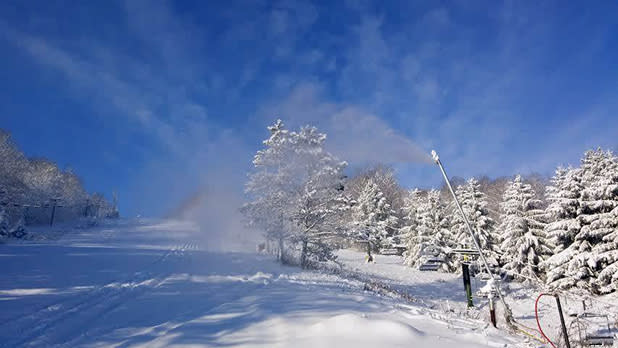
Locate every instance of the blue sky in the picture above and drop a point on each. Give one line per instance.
(158, 99)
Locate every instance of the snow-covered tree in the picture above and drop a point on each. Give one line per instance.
(584, 224)
(410, 223)
(394, 195)
(35, 183)
(562, 196)
(270, 187)
(605, 254)
(318, 202)
(474, 204)
(432, 237)
(599, 206)
(523, 239)
(373, 218)
(563, 210)
(4, 223)
(296, 190)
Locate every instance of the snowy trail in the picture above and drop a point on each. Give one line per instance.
(86, 308)
(149, 284)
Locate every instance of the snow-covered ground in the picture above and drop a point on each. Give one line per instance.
(149, 283)
(444, 292)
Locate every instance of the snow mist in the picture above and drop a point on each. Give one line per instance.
(361, 138)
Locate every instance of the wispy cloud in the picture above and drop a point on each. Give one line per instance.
(155, 105)
(489, 85)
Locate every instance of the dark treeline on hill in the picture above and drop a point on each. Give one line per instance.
(560, 231)
(31, 187)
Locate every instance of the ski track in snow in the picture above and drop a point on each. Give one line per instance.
(35, 327)
(150, 284)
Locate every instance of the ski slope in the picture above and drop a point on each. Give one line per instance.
(153, 284)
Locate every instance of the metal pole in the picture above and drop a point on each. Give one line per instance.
(492, 311)
(564, 329)
(51, 221)
(466, 279)
(507, 311)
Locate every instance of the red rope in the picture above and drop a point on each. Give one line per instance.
(538, 323)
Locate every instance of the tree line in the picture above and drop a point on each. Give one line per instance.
(31, 187)
(562, 232)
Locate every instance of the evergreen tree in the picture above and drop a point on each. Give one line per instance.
(523, 239)
(373, 217)
(474, 204)
(585, 245)
(563, 198)
(599, 204)
(432, 235)
(563, 210)
(410, 222)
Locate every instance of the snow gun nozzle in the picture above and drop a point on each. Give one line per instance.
(435, 156)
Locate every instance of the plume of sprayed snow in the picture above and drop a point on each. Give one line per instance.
(204, 181)
(359, 137)
(216, 212)
(203, 184)
(354, 135)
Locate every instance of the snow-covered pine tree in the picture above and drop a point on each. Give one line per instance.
(393, 194)
(410, 223)
(599, 203)
(474, 204)
(372, 217)
(523, 239)
(585, 242)
(432, 236)
(562, 196)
